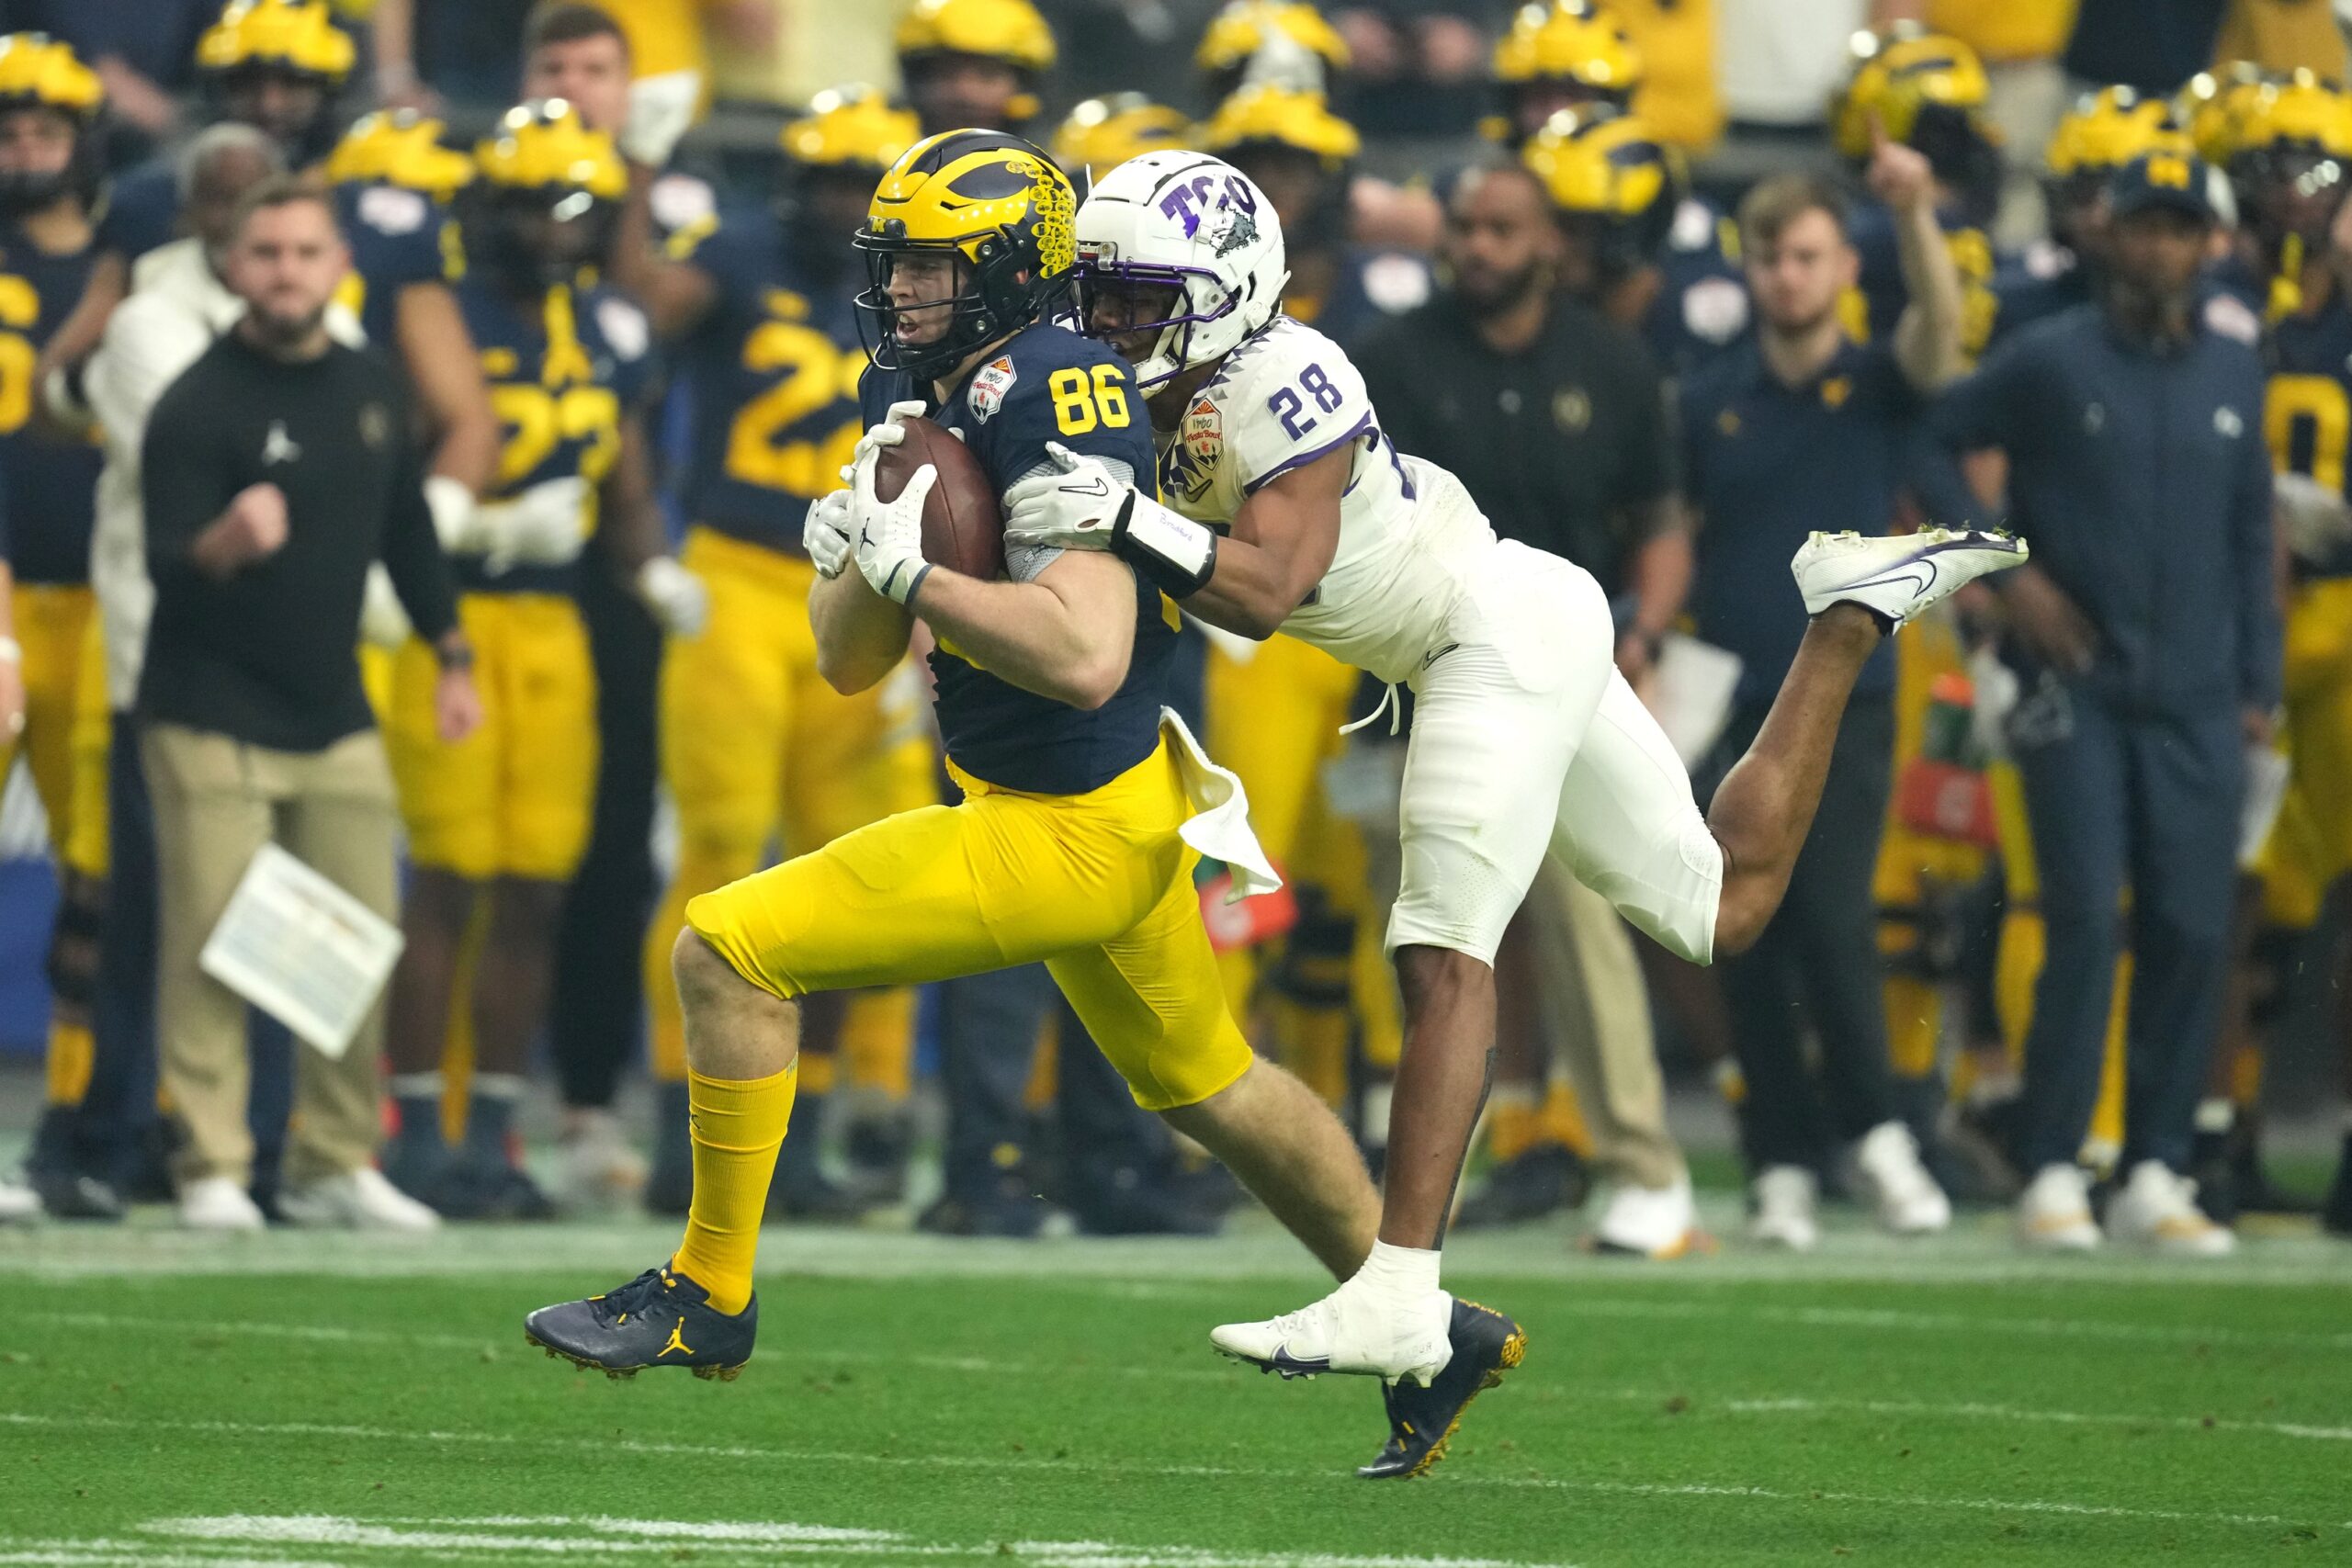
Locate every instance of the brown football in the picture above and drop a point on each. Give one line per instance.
(962, 527)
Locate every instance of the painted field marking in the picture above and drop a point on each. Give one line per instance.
(986, 1462)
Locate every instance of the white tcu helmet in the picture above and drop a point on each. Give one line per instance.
(1191, 223)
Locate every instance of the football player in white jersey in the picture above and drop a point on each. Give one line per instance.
(1291, 510)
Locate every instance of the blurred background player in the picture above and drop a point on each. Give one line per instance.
(501, 818)
(1638, 246)
(1253, 43)
(1100, 134)
(973, 64)
(757, 751)
(50, 169)
(1570, 54)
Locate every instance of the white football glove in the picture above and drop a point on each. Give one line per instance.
(660, 110)
(825, 535)
(678, 598)
(383, 619)
(890, 533)
(455, 522)
(545, 525)
(2315, 521)
(890, 432)
(1085, 506)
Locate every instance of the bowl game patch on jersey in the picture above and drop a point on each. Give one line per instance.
(991, 382)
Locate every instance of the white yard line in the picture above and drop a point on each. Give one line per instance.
(1843, 1319)
(1454, 1476)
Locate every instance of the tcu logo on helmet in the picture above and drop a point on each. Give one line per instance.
(1189, 205)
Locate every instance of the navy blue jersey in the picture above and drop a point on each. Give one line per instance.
(395, 236)
(1046, 384)
(2307, 408)
(48, 479)
(141, 211)
(2042, 282)
(1702, 307)
(1883, 296)
(773, 373)
(1767, 464)
(564, 370)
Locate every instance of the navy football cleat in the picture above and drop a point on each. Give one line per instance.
(1421, 1420)
(658, 1319)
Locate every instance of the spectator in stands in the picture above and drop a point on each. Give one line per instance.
(1802, 430)
(2146, 632)
(274, 473)
(1555, 420)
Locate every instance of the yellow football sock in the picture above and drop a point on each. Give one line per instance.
(818, 1071)
(1514, 1122)
(1312, 1043)
(738, 1126)
(1564, 1120)
(877, 1046)
(70, 1057)
(2245, 1073)
(1914, 1024)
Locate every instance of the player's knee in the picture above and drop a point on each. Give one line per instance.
(706, 980)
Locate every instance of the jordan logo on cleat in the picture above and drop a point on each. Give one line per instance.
(677, 1341)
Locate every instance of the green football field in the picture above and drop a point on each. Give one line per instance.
(167, 1400)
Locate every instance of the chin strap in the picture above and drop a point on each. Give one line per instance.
(1178, 554)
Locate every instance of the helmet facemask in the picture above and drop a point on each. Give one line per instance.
(1119, 302)
(993, 297)
(31, 190)
(535, 238)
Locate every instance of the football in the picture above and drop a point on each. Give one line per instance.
(962, 527)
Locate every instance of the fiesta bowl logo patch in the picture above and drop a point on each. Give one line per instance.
(990, 386)
(1203, 430)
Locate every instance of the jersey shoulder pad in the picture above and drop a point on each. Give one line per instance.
(621, 323)
(392, 211)
(1288, 395)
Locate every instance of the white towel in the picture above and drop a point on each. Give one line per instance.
(1219, 826)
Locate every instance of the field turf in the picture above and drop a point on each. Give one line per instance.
(169, 1401)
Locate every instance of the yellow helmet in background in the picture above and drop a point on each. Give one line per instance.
(1243, 40)
(1900, 76)
(851, 127)
(543, 145)
(400, 147)
(1569, 40)
(2107, 128)
(1102, 133)
(1279, 117)
(1012, 32)
(38, 70)
(2213, 105)
(1608, 174)
(2302, 113)
(296, 37)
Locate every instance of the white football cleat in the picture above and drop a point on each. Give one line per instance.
(19, 1202)
(217, 1203)
(356, 1200)
(1898, 575)
(1658, 1222)
(1353, 1329)
(2054, 1213)
(1905, 1197)
(1785, 1197)
(2157, 1208)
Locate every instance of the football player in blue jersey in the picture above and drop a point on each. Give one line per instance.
(1641, 248)
(1568, 54)
(1075, 842)
(755, 747)
(50, 103)
(501, 818)
(974, 63)
(273, 65)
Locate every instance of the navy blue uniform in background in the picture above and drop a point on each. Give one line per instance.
(2141, 479)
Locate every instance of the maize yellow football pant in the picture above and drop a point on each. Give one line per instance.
(1098, 886)
(515, 797)
(756, 748)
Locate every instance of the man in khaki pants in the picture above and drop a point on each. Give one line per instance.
(274, 472)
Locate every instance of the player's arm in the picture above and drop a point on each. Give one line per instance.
(674, 294)
(630, 532)
(1928, 337)
(861, 636)
(1068, 633)
(77, 337)
(1248, 583)
(439, 355)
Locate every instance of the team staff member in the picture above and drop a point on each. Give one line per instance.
(1556, 422)
(1800, 428)
(274, 473)
(503, 818)
(755, 747)
(2147, 635)
(49, 172)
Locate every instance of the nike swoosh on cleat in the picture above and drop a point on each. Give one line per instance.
(1921, 572)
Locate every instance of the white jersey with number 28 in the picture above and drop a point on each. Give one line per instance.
(1410, 535)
